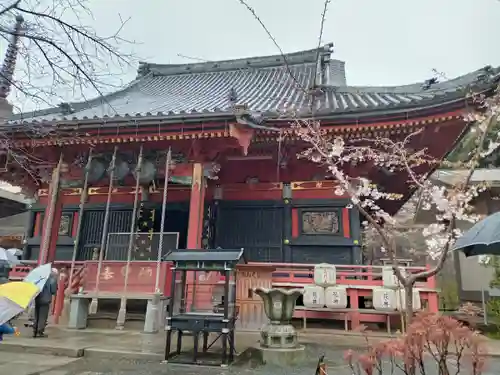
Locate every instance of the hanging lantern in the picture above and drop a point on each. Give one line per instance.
(97, 170)
(122, 168)
(147, 173)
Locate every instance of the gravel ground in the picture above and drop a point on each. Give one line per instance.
(333, 357)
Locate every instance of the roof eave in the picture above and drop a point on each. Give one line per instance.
(420, 108)
(189, 118)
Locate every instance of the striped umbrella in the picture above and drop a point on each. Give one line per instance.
(15, 297)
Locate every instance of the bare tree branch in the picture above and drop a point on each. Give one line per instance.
(57, 57)
(273, 39)
(8, 8)
(320, 37)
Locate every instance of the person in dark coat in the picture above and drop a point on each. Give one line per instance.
(42, 304)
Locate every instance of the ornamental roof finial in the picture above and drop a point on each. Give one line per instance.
(9, 62)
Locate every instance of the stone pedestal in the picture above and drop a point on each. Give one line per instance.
(78, 313)
(155, 314)
(278, 336)
(282, 357)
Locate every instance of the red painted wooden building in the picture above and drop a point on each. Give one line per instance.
(234, 179)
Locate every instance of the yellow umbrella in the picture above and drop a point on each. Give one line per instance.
(15, 297)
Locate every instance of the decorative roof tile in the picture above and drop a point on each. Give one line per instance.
(263, 84)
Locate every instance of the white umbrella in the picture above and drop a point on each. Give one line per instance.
(15, 252)
(8, 257)
(39, 275)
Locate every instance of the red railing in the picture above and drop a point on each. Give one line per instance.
(360, 280)
(297, 274)
(19, 272)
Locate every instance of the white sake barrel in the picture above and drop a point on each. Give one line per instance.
(389, 278)
(384, 299)
(314, 296)
(325, 275)
(401, 300)
(336, 297)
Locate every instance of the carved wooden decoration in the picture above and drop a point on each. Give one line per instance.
(65, 225)
(320, 222)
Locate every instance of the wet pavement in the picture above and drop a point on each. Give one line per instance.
(64, 341)
(26, 364)
(111, 352)
(333, 358)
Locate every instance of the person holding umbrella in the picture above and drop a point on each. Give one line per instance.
(42, 304)
(44, 278)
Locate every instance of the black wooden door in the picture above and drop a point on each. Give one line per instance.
(257, 229)
(176, 220)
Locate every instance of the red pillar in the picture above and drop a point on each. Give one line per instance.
(196, 208)
(195, 228)
(51, 218)
(51, 253)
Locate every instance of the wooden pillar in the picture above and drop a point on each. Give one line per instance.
(195, 229)
(51, 253)
(196, 208)
(52, 214)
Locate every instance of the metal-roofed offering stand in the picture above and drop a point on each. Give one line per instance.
(203, 303)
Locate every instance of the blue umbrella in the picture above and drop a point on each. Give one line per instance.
(483, 238)
(39, 275)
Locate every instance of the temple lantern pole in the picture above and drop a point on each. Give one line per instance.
(111, 169)
(163, 212)
(83, 199)
(120, 321)
(49, 219)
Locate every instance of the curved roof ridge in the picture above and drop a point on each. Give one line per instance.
(293, 58)
(454, 84)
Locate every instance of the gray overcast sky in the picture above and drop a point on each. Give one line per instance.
(383, 42)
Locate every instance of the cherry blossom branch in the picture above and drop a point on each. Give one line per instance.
(345, 183)
(452, 204)
(452, 224)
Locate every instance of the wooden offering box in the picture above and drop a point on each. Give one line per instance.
(251, 307)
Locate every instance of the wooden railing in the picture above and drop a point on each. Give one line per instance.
(359, 279)
(19, 272)
(297, 274)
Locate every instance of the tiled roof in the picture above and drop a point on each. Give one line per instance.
(12, 193)
(14, 224)
(450, 177)
(263, 83)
